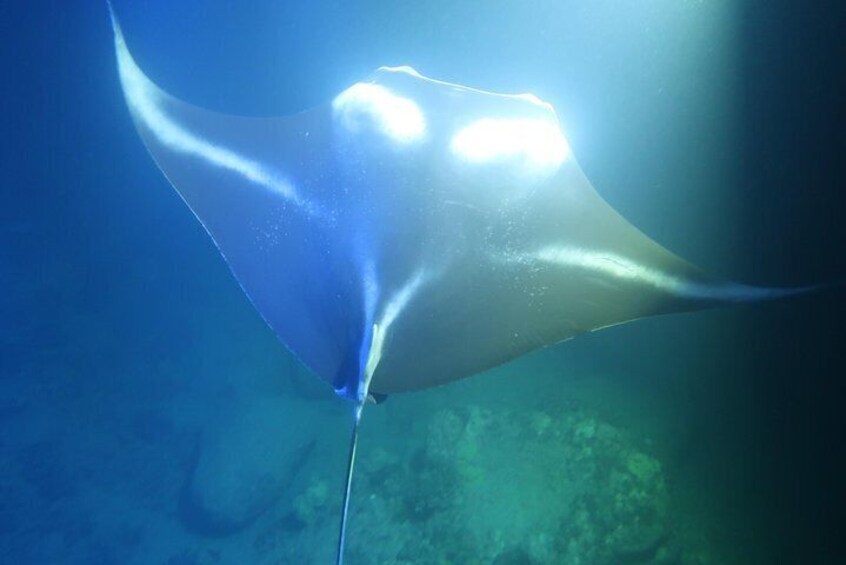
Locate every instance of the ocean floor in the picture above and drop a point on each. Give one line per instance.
(225, 451)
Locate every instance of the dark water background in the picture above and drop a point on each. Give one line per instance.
(718, 130)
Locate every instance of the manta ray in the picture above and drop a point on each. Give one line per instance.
(412, 232)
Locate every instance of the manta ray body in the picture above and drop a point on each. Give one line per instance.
(412, 232)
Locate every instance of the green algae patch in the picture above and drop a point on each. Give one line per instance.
(545, 488)
(643, 467)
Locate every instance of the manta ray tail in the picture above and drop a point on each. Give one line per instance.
(350, 466)
(369, 356)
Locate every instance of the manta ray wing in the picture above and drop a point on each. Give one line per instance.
(243, 178)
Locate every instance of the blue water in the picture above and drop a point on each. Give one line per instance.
(148, 415)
